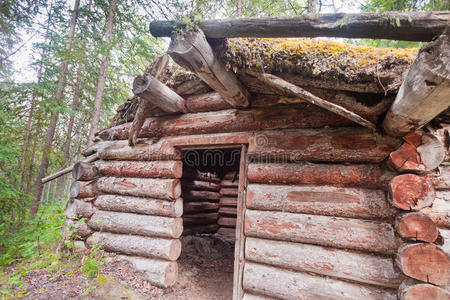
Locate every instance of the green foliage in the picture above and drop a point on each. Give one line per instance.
(93, 262)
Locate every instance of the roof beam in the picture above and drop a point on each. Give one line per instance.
(407, 26)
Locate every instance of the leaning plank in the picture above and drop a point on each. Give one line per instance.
(407, 26)
(425, 92)
(167, 249)
(161, 273)
(126, 223)
(84, 171)
(364, 175)
(143, 169)
(146, 206)
(416, 226)
(188, 230)
(193, 52)
(424, 262)
(83, 189)
(322, 230)
(439, 212)
(200, 218)
(320, 200)
(167, 189)
(281, 283)
(201, 196)
(197, 207)
(411, 289)
(411, 192)
(360, 267)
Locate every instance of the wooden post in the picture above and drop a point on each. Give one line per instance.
(193, 52)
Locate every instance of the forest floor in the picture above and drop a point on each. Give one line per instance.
(205, 270)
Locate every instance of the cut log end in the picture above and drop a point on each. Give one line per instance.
(410, 291)
(416, 226)
(411, 192)
(140, 84)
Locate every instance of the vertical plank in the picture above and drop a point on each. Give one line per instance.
(239, 250)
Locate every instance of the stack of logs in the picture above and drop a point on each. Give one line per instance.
(200, 192)
(228, 206)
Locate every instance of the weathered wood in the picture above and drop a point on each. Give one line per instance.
(197, 207)
(424, 262)
(189, 230)
(199, 185)
(439, 212)
(363, 175)
(193, 52)
(421, 153)
(143, 150)
(146, 206)
(229, 183)
(227, 222)
(84, 171)
(167, 189)
(83, 189)
(197, 175)
(143, 169)
(76, 229)
(229, 234)
(226, 201)
(167, 249)
(142, 112)
(126, 223)
(68, 169)
(408, 26)
(445, 235)
(321, 200)
(411, 192)
(425, 92)
(200, 196)
(355, 266)
(411, 289)
(158, 272)
(206, 102)
(441, 179)
(200, 218)
(229, 192)
(233, 175)
(417, 227)
(79, 209)
(293, 90)
(281, 283)
(322, 230)
(248, 296)
(228, 211)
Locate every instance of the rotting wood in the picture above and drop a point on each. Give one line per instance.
(425, 92)
(416, 226)
(321, 200)
(407, 26)
(411, 192)
(420, 153)
(336, 232)
(200, 218)
(227, 222)
(424, 262)
(79, 209)
(344, 264)
(281, 283)
(193, 52)
(83, 189)
(84, 171)
(166, 189)
(227, 201)
(167, 249)
(200, 196)
(146, 206)
(411, 289)
(189, 230)
(229, 192)
(439, 212)
(127, 223)
(142, 169)
(199, 185)
(193, 207)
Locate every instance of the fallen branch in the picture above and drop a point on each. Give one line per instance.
(67, 170)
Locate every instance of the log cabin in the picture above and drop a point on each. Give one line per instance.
(325, 163)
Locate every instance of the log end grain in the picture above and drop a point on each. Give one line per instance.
(411, 192)
(413, 290)
(416, 226)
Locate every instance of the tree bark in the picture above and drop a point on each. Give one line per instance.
(411, 192)
(141, 169)
(417, 227)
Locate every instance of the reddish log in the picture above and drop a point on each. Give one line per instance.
(322, 230)
(439, 212)
(321, 200)
(285, 284)
(143, 169)
(83, 189)
(206, 102)
(197, 207)
(189, 230)
(370, 176)
(146, 206)
(197, 175)
(424, 262)
(167, 189)
(225, 201)
(420, 153)
(230, 192)
(229, 234)
(84, 171)
(411, 289)
(227, 222)
(228, 211)
(200, 185)
(200, 196)
(143, 150)
(350, 265)
(417, 227)
(411, 192)
(200, 218)
(230, 183)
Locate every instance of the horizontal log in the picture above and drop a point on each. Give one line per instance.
(142, 169)
(79, 209)
(189, 230)
(227, 222)
(84, 171)
(167, 189)
(229, 234)
(197, 207)
(200, 218)
(126, 223)
(198, 185)
(197, 175)
(83, 189)
(439, 212)
(230, 183)
(417, 227)
(144, 150)
(363, 175)
(281, 283)
(200, 196)
(206, 102)
(355, 266)
(228, 211)
(146, 206)
(229, 192)
(322, 230)
(167, 249)
(441, 179)
(411, 192)
(424, 262)
(415, 290)
(227, 201)
(67, 170)
(320, 200)
(407, 26)
(158, 272)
